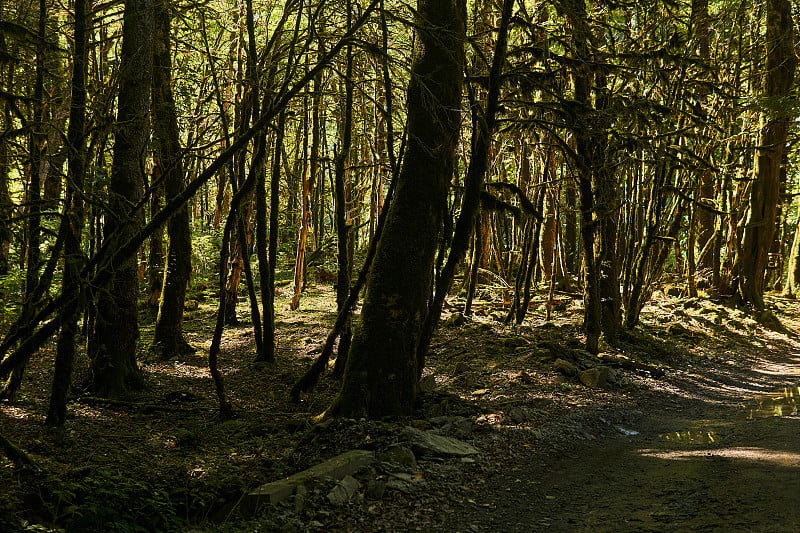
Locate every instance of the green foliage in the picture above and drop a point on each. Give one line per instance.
(205, 254)
(107, 502)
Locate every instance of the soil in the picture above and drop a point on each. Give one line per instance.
(685, 436)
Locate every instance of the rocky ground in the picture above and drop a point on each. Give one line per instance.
(518, 430)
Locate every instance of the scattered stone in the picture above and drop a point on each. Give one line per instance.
(343, 491)
(427, 443)
(300, 499)
(565, 367)
(462, 428)
(525, 378)
(517, 414)
(399, 485)
(335, 468)
(461, 367)
(427, 383)
(627, 432)
(455, 320)
(677, 330)
(375, 489)
(673, 291)
(594, 378)
(399, 455)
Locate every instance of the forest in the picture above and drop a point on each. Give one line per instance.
(241, 237)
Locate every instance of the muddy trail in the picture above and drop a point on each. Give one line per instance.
(706, 452)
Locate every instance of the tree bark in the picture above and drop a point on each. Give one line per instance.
(168, 337)
(114, 366)
(381, 373)
(764, 195)
(73, 257)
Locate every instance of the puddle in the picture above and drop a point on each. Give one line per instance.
(780, 403)
(691, 436)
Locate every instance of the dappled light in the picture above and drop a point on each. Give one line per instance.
(782, 458)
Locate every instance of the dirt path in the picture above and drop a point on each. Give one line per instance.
(698, 461)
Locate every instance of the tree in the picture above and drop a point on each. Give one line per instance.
(168, 338)
(114, 368)
(764, 196)
(381, 373)
(73, 254)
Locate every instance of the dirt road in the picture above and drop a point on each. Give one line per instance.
(704, 453)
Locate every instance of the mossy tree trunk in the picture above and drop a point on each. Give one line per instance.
(381, 373)
(168, 338)
(764, 196)
(114, 368)
(73, 257)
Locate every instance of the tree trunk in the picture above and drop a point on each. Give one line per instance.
(73, 258)
(168, 338)
(381, 374)
(764, 195)
(792, 289)
(114, 366)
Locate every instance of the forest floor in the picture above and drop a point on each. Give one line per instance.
(683, 436)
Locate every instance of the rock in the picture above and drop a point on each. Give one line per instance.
(300, 499)
(673, 291)
(455, 320)
(594, 378)
(461, 367)
(440, 420)
(517, 414)
(399, 485)
(190, 305)
(336, 468)
(375, 489)
(565, 367)
(462, 428)
(427, 383)
(677, 330)
(399, 455)
(343, 491)
(426, 443)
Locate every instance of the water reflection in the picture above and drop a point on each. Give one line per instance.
(691, 436)
(780, 403)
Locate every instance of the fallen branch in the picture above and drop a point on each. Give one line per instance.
(16, 455)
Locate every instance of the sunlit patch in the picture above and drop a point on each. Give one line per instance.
(15, 412)
(85, 411)
(180, 370)
(781, 403)
(695, 436)
(744, 453)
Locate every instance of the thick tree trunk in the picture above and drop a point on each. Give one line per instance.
(168, 338)
(381, 374)
(764, 195)
(114, 366)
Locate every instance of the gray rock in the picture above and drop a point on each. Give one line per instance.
(517, 414)
(455, 320)
(343, 491)
(565, 367)
(426, 443)
(427, 383)
(335, 468)
(399, 485)
(375, 489)
(594, 378)
(462, 428)
(399, 455)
